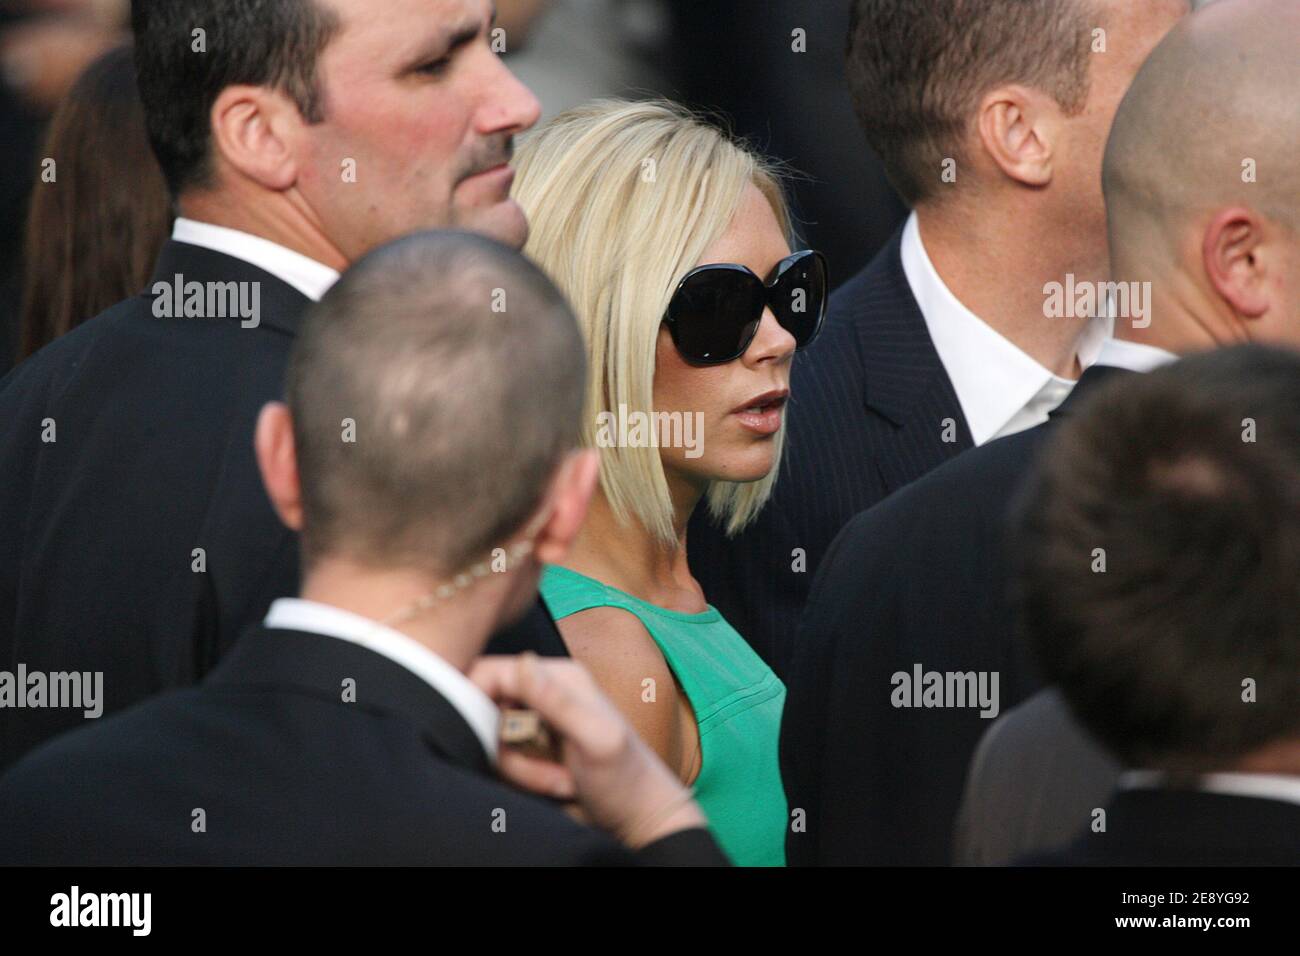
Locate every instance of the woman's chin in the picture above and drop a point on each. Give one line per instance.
(744, 468)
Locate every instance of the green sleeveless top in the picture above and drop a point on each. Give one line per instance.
(737, 702)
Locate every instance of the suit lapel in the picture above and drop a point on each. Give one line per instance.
(322, 666)
(904, 380)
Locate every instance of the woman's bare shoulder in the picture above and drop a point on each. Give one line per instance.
(613, 636)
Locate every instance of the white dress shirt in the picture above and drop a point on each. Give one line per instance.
(1133, 356)
(482, 715)
(1002, 390)
(1264, 786)
(308, 276)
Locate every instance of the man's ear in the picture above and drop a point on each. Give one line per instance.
(277, 459)
(1018, 129)
(570, 494)
(1236, 260)
(253, 131)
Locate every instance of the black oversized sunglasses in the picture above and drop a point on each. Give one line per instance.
(717, 308)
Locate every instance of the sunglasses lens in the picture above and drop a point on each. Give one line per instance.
(799, 297)
(715, 314)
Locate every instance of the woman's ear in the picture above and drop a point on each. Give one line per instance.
(277, 459)
(253, 131)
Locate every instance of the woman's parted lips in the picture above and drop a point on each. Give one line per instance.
(775, 398)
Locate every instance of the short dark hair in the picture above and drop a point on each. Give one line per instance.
(917, 69)
(272, 43)
(1199, 529)
(461, 371)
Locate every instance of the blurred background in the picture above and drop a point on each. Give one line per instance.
(770, 70)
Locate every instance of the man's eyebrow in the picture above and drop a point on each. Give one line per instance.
(445, 44)
(463, 35)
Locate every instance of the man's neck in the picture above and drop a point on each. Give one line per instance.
(997, 267)
(277, 217)
(1180, 317)
(456, 629)
(1280, 758)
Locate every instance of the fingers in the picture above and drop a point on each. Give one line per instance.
(555, 690)
(617, 778)
(561, 691)
(540, 776)
(513, 677)
(496, 676)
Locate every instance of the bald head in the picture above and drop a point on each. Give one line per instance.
(433, 390)
(1210, 122)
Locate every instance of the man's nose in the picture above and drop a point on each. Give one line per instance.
(508, 106)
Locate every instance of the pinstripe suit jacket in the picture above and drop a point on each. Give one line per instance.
(920, 580)
(871, 409)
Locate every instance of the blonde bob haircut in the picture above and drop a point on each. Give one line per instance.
(623, 198)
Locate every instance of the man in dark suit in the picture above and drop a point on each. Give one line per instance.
(915, 581)
(989, 117)
(135, 539)
(922, 579)
(344, 728)
(1182, 657)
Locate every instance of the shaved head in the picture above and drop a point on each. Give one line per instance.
(461, 370)
(1209, 123)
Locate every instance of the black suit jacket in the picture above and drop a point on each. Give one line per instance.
(153, 423)
(266, 763)
(870, 403)
(1165, 827)
(919, 579)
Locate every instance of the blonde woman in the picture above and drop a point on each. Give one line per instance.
(673, 244)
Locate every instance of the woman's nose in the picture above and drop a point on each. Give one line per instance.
(772, 342)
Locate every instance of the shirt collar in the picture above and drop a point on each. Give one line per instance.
(478, 710)
(994, 379)
(1133, 356)
(308, 276)
(1264, 786)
